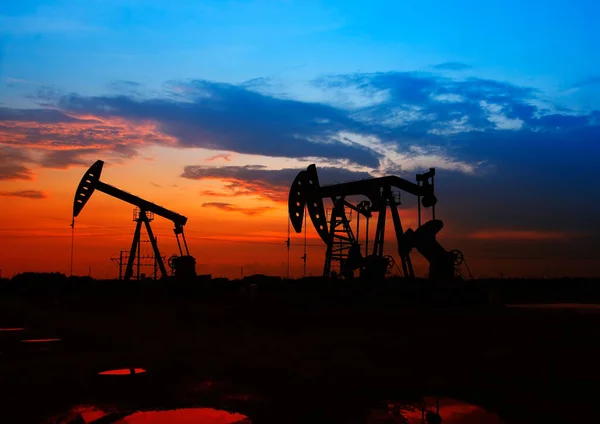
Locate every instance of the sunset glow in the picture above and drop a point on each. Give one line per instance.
(212, 112)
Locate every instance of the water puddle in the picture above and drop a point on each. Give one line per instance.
(12, 329)
(432, 410)
(41, 340)
(89, 414)
(123, 371)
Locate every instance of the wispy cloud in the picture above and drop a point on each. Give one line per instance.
(452, 66)
(233, 208)
(257, 180)
(225, 157)
(13, 164)
(27, 194)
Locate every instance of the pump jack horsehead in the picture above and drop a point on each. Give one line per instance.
(343, 246)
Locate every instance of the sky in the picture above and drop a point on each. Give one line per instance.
(210, 109)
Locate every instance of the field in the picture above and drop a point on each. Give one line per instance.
(300, 351)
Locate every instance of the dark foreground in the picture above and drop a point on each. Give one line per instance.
(298, 353)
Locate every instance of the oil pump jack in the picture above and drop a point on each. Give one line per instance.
(184, 266)
(343, 246)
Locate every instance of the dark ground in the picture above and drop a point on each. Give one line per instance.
(308, 351)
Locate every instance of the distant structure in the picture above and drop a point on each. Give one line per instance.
(343, 245)
(183, 265)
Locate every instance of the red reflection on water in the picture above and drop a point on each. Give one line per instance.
(176, 416)
(12, 329)
(185, 416)
(40, 340)
(123, 371)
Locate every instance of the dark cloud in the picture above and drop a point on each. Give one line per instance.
(233, 208)
(62, 159)
(417, 109)
(272, 184)
(229, 117)
(452, 66)
(46, 95)
(536, 161)
(15, 172)
(27, 194)
(39, 116)
(13, 164)
(131, 88)
(418, 105)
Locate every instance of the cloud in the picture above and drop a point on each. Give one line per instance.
(503, 152)
(13, 164)
(27, 194)
(63, 139)
(272, 184)
(225, 157)
(228, 117)
(232, 208)
(452, 66)
(15, 172)
(413, 110)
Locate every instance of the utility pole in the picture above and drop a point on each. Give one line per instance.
(288, 243)
(304, 256)
(121, 265)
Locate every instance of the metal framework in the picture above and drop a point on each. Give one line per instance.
(183, 266)
(343, 246)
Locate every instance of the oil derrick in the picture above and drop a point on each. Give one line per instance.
(344, 247)
(142, 261)
(184, 265)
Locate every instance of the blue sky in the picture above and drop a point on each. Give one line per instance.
(83, 46)
(502, 97)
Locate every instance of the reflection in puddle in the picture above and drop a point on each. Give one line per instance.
(123, 371)
(40, 340)
(186, 416)
(89, 414)
(450, 411)
(12, 329)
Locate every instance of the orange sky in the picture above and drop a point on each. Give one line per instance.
(249, 233)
